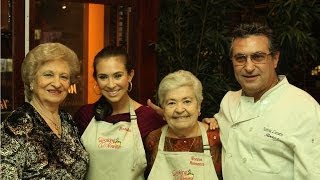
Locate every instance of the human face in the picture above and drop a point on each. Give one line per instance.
(113, 78)
(51, 83)
(255, 79)
(181, 110)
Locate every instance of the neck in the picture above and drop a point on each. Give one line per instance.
(122, 106)
(44, 107)
(49, 114)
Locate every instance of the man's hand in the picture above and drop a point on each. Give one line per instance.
(213, 123)
(155, 107)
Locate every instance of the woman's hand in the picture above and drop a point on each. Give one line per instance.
(212, 122)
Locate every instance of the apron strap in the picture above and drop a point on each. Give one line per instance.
(133, 122)
(205, 141)
(133, 116)
(164, 130)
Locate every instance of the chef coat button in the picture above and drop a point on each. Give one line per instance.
(229, 155)
(235, 126)
(244, 160)
(250, 129)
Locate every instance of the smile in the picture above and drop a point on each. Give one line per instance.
(180, 117)
(54, 91)
(113, 93)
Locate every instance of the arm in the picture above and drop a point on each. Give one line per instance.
(307, 146)
(155, 107)
(13, 154)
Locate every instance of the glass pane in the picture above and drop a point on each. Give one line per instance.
(6, 59)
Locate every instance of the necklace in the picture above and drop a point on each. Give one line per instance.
(181, 146)
(54, 122)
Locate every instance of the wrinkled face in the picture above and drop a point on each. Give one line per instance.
(51, 83)
(113, 78)
(181, 109)
(255, 79)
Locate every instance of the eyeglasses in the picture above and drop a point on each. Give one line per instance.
(256, 58)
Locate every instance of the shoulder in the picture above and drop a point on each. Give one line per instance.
(146, 110)
(88, 108)
(147, 113)
(148, 120)
(66, 116)
(231, 95)
(152, 139)
(85, 112)
(83, 117)
(19, 122)
(300, 95)
(301, 103)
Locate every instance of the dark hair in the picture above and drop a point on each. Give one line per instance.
(102, 107)
(112, 51)
(245, 30)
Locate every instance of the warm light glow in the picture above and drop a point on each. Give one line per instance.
(315, 71)
(95, 43)
(72, 89)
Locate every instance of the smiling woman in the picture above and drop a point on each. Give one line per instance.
(112, 129)
(184, 148)
(38, 139)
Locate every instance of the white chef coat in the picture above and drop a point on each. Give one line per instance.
(275, 138)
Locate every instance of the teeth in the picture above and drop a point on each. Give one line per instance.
(113, 93)
(180, 117)
(54, 91)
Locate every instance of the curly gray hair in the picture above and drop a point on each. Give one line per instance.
(42, 54)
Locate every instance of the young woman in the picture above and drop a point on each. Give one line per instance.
(112, 129)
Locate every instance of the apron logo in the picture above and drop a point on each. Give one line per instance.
(123, 128)
(182, 175)
(196, 161)
(109, 143)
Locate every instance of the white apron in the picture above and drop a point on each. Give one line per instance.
(116, 151)
(183, 165)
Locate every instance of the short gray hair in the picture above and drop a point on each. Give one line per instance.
(178, 79)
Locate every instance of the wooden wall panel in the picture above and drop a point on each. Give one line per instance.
(145, 14)
(18, 50)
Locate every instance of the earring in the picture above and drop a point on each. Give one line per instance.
(95, 91)
(130, 86)
(31, 87)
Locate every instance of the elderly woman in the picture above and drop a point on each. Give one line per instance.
(184, 148)
(39, 140)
